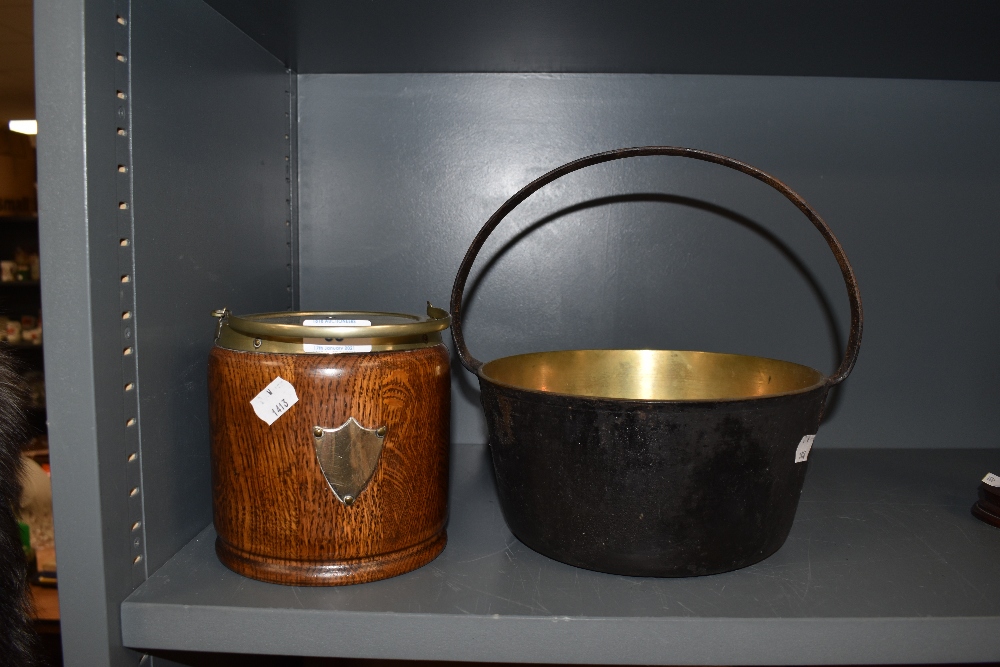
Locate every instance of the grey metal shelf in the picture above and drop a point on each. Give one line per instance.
(884, 564)
(265, 156)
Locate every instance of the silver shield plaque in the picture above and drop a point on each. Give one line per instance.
(348, 456)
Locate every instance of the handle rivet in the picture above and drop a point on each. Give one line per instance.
(318, 431)
(256, 342)
(348, 500)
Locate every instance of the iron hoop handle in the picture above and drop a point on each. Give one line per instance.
(854, 296)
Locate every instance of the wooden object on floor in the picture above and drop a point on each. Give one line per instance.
(46, 599)
(46, 603)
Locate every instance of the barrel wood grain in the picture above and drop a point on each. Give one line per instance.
(276, 516)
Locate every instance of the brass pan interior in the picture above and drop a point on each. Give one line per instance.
(656, 375)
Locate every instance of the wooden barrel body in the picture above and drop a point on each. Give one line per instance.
(277, 516)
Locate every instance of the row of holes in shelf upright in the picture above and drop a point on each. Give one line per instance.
(126, 260)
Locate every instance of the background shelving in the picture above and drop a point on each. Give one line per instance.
(18, 298)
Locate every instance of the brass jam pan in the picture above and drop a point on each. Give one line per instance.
(651, 462)
(288, 333)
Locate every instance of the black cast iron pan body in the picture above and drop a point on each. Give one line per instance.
(683, 463)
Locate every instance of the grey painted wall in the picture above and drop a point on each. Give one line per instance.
(398, 172)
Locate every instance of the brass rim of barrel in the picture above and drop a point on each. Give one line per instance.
(259, 333)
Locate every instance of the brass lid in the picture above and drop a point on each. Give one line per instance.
(329, 332)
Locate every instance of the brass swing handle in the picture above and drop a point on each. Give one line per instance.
(854, 339)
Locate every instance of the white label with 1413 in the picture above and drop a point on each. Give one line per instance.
(274, 400)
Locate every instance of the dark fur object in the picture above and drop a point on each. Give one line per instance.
(18, 641)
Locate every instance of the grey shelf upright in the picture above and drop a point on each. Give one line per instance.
(267, 156)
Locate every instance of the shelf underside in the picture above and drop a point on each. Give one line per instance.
(929, 39)
(884, 564)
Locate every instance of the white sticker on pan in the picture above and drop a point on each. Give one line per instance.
(802, 451)
(275, 400)
(992, 480)
(336, 323)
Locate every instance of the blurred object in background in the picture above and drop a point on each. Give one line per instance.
(18, 197)
(36, 504)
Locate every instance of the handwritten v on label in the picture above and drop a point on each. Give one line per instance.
(274, 400)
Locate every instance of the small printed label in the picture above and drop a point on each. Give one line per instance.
(327, 345)
(802, 451)
(275, 400)
(991, 479)
(336, 323)
(320, 345)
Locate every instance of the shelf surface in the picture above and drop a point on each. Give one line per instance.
(884, 564)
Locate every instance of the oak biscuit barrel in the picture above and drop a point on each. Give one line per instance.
(330, 437)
